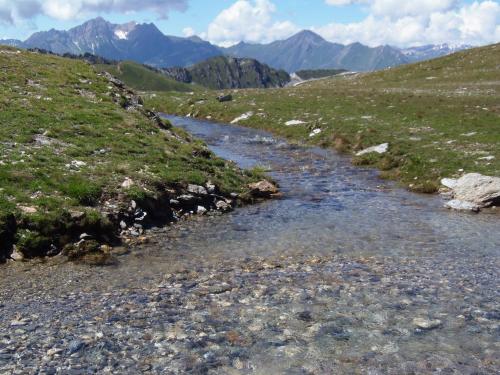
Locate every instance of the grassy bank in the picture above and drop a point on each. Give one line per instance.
(139, 77)
(440, 117)
(73, 145)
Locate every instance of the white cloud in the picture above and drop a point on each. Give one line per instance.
(250, 21)
(421, 22)
(188, 32)
(12, 11)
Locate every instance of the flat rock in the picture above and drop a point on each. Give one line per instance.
(380, 149)
(294, 122)
(427, 324)
(475, 188)
(244, 116)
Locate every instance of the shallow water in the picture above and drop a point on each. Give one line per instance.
(329, 205)
(328, 279)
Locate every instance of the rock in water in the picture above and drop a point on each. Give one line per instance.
(462, 206)
(263, 189)
(426, 324)
(474, 190)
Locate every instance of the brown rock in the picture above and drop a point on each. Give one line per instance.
(263, 189)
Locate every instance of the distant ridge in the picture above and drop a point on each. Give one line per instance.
(143, 43)
(146, 44)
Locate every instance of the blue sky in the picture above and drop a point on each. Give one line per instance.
(225, 22)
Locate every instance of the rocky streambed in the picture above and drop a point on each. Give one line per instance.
(344, 274)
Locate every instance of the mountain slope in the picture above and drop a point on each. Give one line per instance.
(143, 78)
(307, 50)
(76, 147)
(226, 72)
(11, 43)
(142, 43)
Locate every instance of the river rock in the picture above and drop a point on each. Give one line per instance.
(380, 149)
(263, 189)
(223, 206)
(426, 324)
(473, 190)
(458, 205)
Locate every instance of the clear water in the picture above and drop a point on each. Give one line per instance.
(328, 279)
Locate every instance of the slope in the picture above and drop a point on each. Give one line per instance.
(144, 78)
(76, 147)
(440, 117)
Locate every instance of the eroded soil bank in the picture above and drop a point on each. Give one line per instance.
(344, 274)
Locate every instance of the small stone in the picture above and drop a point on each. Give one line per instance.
(17, 255)
(127, 183)
(123, 225)
(201, 210)
(426, 324)
(224, 98)
(294, 122)
(75, 346)
(211, 188)
(222, 206)
(315, 132)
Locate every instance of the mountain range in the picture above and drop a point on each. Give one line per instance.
(146, 44)
(142, 43)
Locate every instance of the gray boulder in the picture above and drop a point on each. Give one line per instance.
(474, 190)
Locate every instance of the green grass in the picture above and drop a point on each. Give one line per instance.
(66, 146)
(139, 77)
(440, 117)
(318, 73)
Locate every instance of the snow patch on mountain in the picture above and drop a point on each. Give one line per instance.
(121, 34)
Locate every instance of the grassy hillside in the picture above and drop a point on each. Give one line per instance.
(224, 72)
(440, 117)
(69, 139)
(139, 77)
(318, 73)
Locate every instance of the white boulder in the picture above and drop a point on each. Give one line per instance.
(473, 191)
